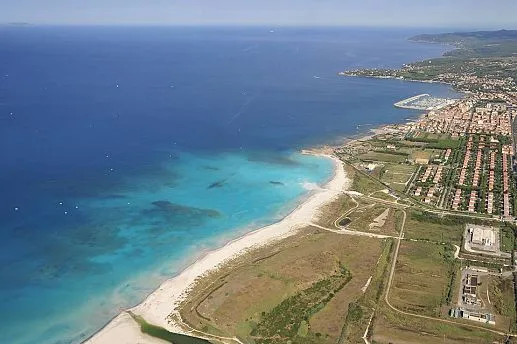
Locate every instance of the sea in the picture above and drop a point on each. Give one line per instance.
(128, 152)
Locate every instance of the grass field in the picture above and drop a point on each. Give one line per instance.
(395, 328)
(383, 156)
(420, 154)
(312, 287)
(298, 288)
(507, 239)
(290, 319)
(376, 219)
(362, 183)
(499, 300)
(502, 296)
(423, 284)
(335, 209)
(422, 277)
(364, 215)
(361, 311)
(396, 175)
(417, 227)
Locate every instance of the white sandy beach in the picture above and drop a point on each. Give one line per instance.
(162, 302)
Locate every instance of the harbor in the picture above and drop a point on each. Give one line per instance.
(425, 102)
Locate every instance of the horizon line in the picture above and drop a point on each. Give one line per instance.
(254, 25)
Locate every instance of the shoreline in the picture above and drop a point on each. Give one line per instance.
(165, 300)
(388, 77)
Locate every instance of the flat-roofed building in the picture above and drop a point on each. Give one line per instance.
(482, 236)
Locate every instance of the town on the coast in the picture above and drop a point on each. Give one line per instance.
(413, 241)
(457, 159)
(456, 166)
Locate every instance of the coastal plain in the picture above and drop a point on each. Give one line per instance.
(161, 308)
(412, 241)
(327, 281)
(293, 290)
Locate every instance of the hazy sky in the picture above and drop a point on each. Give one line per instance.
(423, 13)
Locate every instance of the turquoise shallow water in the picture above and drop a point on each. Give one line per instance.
(146, 231)
(128, 152)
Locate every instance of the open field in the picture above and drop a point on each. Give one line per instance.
(361, 311)
(335, 209)
(507, 238)
(426, 283)
(421, 154)
(299, 289)
(498, 298)
(364, 215)
(396, 328)
(397, 175)
(362, 183)
(431, 227)
(385, 195)
(383, 156)
(375, 218)
(422, 278)
(321, 287)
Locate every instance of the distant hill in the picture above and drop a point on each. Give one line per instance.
(501, 43)
(481, 61)
(458, 37)
(16, 24)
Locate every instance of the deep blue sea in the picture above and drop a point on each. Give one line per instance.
(125, 153)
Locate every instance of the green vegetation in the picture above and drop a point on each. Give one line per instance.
(298, 287)
(495, 267)
(383, 156)
(424, 276)
(480, 56)
(434, 142)
(391, 152)
(363, 217)
(359, 312)
(161, 333)
(362, 183)
(303, 330)
(394, 327)
(476, 44)
(431, 227)
(384, 196)
(501, 295)
(336, 209)
(284, 321)
(453, 275)
(507, 237)
(355, 312)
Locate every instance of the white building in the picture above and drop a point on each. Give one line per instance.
(482, 236)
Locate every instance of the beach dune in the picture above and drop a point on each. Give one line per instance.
(164, 301)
